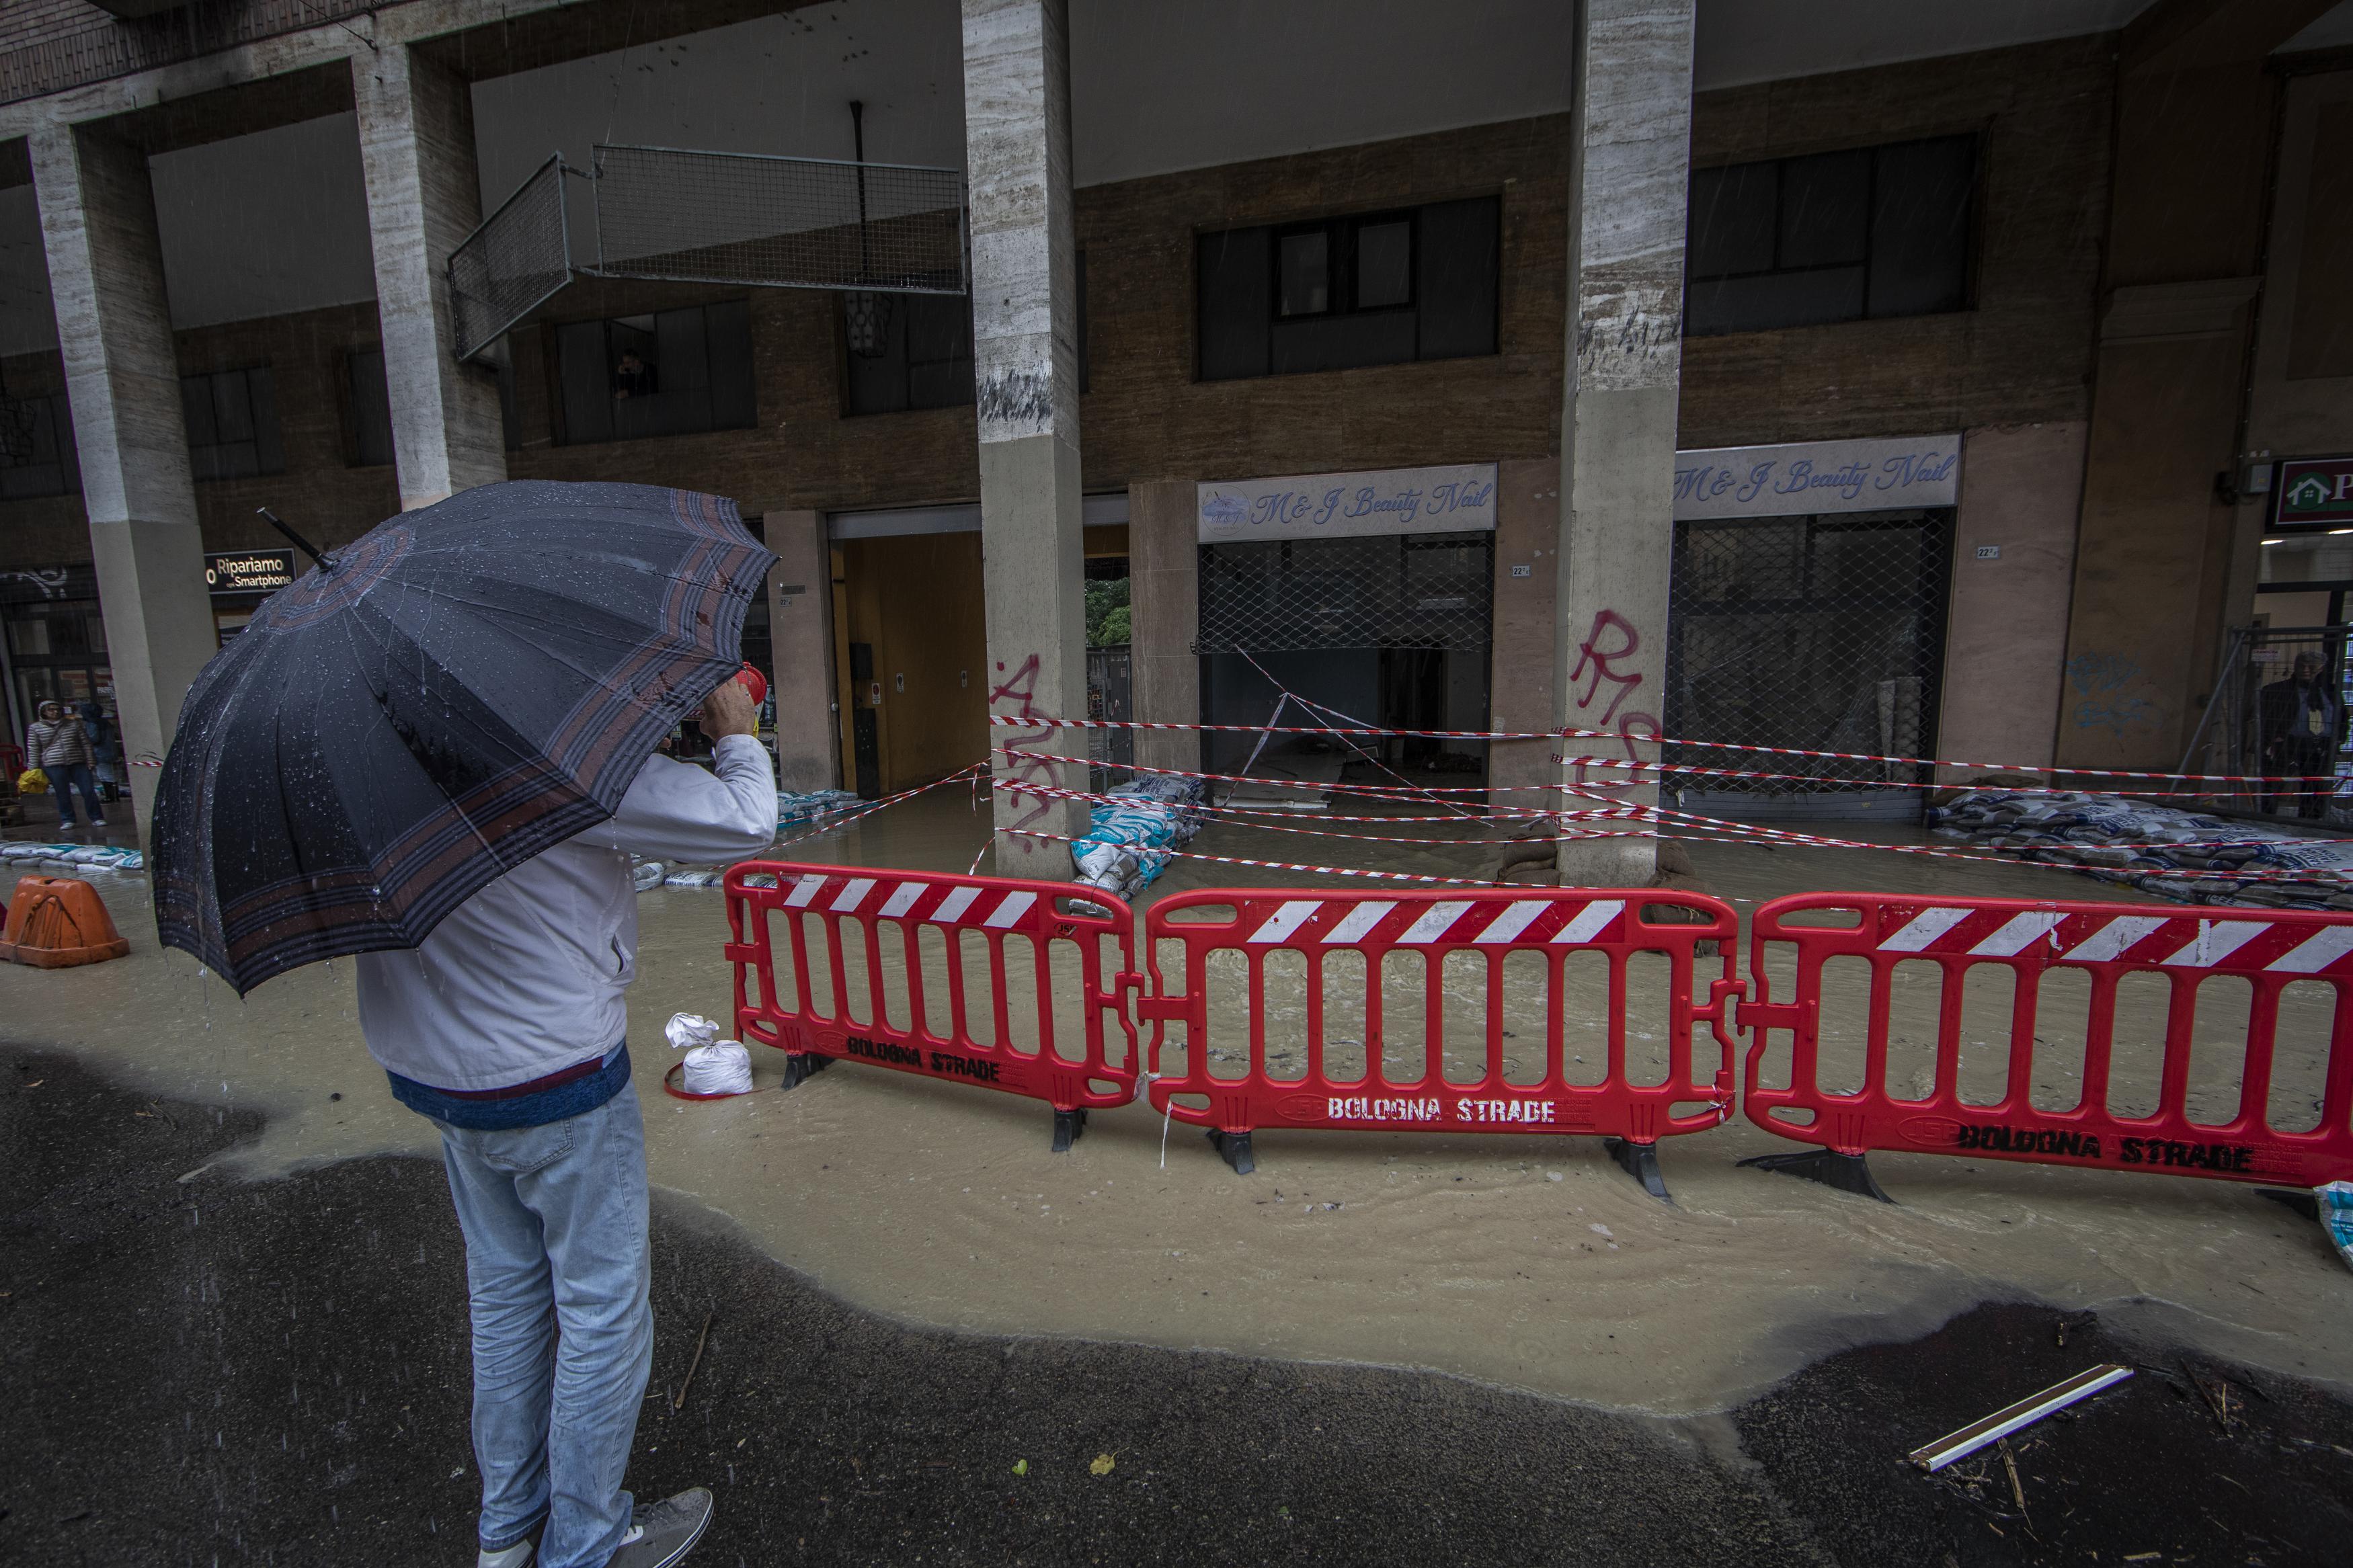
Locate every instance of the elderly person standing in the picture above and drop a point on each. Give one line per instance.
(55, 743)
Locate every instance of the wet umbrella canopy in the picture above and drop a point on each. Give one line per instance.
(462, 688)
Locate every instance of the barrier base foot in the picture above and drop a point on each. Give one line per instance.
(1639, 1161)
(1067, 1127)
(802, 1065)
(1236, 1149)
(1847, 1172)
(2296, 1198)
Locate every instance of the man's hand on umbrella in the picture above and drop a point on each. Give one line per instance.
(729, 710)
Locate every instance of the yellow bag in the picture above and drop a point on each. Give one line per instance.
(32, 780)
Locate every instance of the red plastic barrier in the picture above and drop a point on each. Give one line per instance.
(825, 1010)
(2270, 949)
(1554, 923)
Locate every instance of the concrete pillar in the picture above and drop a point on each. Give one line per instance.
(122, 380)
(1164, 563)
(1024, 329)
(1527, 539)
(1630, 169)
(423, 195)
(800, 638)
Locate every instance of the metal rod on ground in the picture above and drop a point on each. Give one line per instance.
(1960, 1445)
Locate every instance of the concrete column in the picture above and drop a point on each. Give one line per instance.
(1024, 329)
(424, 194)
(800, 637)
(122, 380)
(1527, 539)
(2006, 639)
(1630, 169)
(1164, 563)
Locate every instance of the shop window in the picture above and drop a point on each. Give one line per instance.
(367, 441)
(40, 457)
(917, 353)
(232, 418)
(1832, 237)
(673, 373)
(1377, 289)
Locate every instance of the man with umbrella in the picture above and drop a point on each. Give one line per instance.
(434, 751)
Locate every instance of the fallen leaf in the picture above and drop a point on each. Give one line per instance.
(37, 1083)
(1102, 1467)
(1020, 1466)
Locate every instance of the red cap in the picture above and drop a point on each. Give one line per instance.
(753, 683)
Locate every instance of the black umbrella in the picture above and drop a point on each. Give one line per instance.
(459, 689)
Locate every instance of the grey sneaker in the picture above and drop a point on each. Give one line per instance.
(664, 1532)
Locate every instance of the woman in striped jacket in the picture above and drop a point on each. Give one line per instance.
(55, 743)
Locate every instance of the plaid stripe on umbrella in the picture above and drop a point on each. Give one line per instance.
(461, 688)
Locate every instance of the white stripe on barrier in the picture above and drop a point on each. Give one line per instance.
(1590, 921)
(853, 895)
(1286, 920)
(2217, 939)
(1361, 922)
(1923, 928)
(2316, 952)
(903, 899)
(1513, 921)
(1011, 909)
(2018, 933)
(804, 890)
(1435, 921)
(2111, 939)
(953, 906)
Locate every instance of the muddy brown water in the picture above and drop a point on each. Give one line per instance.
(1527, 1260)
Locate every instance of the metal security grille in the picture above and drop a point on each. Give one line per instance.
(1424, 591)
(506, 268)
(1825, 633)
(807, 222)
(2264, 719)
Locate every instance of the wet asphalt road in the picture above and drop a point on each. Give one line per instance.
(198, 1371)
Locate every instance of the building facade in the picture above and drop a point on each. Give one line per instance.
(1645, 367)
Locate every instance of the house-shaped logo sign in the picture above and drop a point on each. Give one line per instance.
(2314, 493)
(2307, 492)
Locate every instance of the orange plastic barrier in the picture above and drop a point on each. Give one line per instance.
(888, 1013)
(55, 922)
(2268, 949)
(1251, 1093)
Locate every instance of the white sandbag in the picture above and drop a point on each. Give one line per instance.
(722, 1067)
(649, 873)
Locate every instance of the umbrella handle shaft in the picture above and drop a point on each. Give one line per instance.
(300, 544)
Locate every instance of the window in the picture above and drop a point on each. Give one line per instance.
(674, 373)
(39, 459)
(921, 355)
(1378, 288)
(232, 417)
(1834, 236)
(368, 441)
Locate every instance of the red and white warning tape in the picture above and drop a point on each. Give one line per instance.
(1573, 732)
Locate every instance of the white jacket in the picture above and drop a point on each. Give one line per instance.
(524, 979)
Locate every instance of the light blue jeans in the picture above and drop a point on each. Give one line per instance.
(561, 1280)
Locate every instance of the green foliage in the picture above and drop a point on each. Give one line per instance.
(1107, 612)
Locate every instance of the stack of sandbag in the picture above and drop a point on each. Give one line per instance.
(69, 859)
(795, 808)
(1131, 832)
(2152, 847)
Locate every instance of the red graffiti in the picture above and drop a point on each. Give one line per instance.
(1022, 690)
(1603, 659)
(1591, 652)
